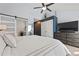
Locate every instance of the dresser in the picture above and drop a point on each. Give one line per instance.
(68, 38)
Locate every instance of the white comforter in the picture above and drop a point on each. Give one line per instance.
(37, 46)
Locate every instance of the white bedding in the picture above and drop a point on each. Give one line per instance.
(37, 46)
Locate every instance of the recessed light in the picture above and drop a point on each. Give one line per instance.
(38, 22)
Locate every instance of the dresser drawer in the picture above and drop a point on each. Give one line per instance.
(70, 39)
(63, 35)
(63, 41)
(73, 36)
(63, 38)
(76, 44)
(73, 40)
(57, 37)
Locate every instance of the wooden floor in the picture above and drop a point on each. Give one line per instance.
(74, 50)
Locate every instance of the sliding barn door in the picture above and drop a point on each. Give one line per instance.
(21, 27)
(47, 28)
(10, 23)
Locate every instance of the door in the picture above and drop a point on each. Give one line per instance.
(21, 27)
(37, 28)
(47, 28)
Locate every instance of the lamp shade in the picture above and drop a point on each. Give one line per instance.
(3, 27)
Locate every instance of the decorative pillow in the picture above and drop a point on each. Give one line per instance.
(10, 40)
(2, 45)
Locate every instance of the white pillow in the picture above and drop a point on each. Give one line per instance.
(10, 40)
(2, 45)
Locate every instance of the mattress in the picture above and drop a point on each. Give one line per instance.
(37, 46)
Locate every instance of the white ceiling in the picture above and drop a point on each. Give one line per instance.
(26, 9)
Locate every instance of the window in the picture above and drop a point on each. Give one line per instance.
(29, 28)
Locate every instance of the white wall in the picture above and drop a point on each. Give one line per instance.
(67, 16)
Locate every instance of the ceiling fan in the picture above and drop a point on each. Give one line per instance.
(44, 7)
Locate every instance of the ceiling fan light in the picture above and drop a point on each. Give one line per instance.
(44, 8)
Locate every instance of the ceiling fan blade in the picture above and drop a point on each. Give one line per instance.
(37, 7)
(49, 4)
(41, 11)
(43, 4)
(49, 9)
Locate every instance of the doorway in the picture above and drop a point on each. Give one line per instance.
(37, 28)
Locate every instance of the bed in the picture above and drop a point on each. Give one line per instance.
(36, 46)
